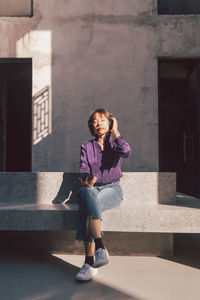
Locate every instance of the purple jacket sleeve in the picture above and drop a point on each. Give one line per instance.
(84, 167)
(122, 147)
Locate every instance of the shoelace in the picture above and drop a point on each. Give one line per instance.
(83, 269)
(101, 252)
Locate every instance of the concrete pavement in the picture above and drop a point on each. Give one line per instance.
(51, 277)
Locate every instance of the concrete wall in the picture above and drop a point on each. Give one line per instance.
(15, 7)
(94, 54)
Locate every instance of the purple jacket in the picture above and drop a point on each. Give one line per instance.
(105, 165)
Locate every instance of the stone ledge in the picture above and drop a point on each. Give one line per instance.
(138, 218)
(45, 187)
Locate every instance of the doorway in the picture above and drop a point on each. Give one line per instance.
(179, 122)
(15, 115)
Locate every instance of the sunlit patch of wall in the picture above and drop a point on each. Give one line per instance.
(38, 45)
(40, 115)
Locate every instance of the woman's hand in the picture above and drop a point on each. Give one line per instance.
(86, 183)
(114, 129)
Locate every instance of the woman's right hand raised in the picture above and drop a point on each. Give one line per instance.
(86, 183)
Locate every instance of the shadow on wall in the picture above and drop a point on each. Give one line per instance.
(68, 189)
(41, 188)
(17, 188)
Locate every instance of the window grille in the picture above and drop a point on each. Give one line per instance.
(40, 115)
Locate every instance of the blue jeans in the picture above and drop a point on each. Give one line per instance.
(92, 202)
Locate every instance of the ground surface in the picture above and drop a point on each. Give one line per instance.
(51, 277)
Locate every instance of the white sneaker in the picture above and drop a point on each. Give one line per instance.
(101, 258)
(86, 273)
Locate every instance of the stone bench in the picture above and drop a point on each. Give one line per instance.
(173, 218)
(159, 218)
(34, 202)
(26, 202)
(149, 204)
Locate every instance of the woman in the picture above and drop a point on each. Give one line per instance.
(100, 172)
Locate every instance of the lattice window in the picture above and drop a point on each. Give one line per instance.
(177, 7)
(16, 8)
(40, 115)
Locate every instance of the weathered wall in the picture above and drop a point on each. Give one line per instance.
(15, 7)
(98, 54)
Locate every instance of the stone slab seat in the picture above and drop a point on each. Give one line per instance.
(159, 218)
(38, 216)
(149, 203)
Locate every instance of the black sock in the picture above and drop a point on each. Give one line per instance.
(98, 243)
(89, 260)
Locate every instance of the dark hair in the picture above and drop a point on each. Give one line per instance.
(101, 111)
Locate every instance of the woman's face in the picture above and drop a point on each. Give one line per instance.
(100, 124)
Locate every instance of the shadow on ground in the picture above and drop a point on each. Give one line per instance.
(186, 250)
(50, 278)
(183, 200)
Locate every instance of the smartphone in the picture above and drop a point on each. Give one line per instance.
(84, 175)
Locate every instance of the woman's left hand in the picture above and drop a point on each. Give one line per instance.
(86, 183)
(114, 129)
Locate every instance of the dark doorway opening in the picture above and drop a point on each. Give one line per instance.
(179, 122)
(178, 7)
(15, 115)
